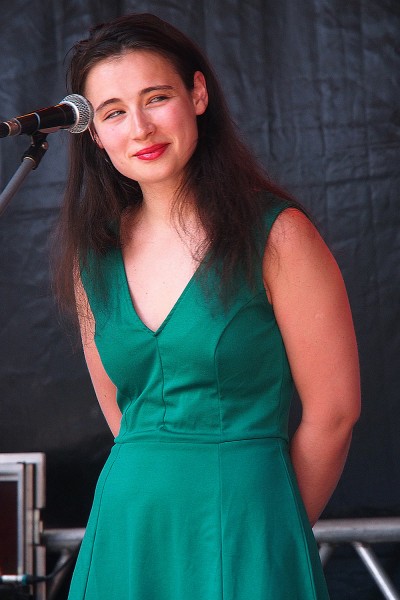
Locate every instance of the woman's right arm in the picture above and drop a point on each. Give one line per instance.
(106, 391)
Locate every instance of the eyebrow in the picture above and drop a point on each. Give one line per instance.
(153, 88)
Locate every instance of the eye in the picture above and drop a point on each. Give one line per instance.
(159, 98)
(113, 114)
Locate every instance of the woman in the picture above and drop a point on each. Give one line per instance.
(203, 292)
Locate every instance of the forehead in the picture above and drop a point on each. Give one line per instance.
(138, 67)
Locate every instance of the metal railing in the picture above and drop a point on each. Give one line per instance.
(329, 533)
(360, 534)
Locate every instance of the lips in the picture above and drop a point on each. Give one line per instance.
(152, 152)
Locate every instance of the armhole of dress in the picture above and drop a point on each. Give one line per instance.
(269, 219)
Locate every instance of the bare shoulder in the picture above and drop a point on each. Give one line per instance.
(296, 251)
(292, 229)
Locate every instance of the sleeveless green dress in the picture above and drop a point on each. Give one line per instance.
(198, 499)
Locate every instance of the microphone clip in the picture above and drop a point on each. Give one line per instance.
(29, 162)
(37, 149)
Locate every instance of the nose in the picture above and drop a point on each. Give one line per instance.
(141, 125)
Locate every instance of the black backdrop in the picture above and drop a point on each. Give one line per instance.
(314, 86)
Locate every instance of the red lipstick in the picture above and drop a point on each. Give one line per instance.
(152, 152)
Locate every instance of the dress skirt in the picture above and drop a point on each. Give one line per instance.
(198, 521)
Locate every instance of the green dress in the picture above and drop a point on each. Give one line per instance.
(198, 499)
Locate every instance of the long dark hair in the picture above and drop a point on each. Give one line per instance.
(230, 189)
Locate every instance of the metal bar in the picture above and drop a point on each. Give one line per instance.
(59, 579)
(375, 568)
(325, 552)
(329, 531)
(58, 540)
(385, 529)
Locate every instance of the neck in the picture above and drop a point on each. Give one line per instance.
(156, 217)
(158, 207)
(157, 210)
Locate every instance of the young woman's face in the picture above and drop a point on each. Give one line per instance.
(145, 118)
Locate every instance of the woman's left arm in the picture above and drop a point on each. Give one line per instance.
(307, 292)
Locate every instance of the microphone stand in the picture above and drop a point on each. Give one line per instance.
(30, 161)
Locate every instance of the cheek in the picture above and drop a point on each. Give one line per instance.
(182, 116)
(111, 141)
(185, 124)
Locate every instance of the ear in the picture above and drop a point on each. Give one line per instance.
(95, 137)
(199, 93)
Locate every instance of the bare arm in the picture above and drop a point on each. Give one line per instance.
(103, 386)
(310, 303)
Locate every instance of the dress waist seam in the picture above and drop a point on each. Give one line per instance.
(176, 439)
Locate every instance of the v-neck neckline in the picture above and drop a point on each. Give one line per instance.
(131, 305)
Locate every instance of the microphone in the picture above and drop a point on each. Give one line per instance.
(74, 113)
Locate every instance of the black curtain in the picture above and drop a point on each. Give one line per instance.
(314, 87)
